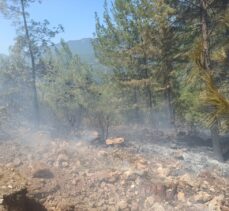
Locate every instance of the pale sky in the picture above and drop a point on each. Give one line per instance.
(76, 16)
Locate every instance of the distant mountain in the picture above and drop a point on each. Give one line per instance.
(83, 48)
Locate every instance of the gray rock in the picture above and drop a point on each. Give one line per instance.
(17, 162)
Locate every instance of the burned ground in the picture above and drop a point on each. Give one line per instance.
(151, 170)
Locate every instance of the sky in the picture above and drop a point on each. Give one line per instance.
(76, 16)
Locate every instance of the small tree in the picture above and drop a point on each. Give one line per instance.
(66, 85)
(104, 107)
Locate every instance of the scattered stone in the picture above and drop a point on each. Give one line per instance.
(181, 197)
(141, 164)
(14, 197)
(102, 153)
(179, 155)
(120, 178)
(17, 162)
(163, 172)
(215, 203)
(78, 163)
(122, 205)
(62, 157)
(189, 180)
(134, 206)
(205, 185)
(62, 161)
(65, 164)
(149, 202)
(130, 175)
(114, 141)
(74, 181)
(158, 207)
(202, 197)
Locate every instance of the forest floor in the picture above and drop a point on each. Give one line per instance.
(151, 170)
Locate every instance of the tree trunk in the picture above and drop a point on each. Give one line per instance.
(216, 142)
(206, 65)
(171, 110)
(168, 95)
(35, 97)
(150, 99)
(136, 108)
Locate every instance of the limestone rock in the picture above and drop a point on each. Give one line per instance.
(102, 153)
(215, 203)
(179, 154)
(65, 164)
(114, 141)
(62, 159)
(158, 207)
(163, 172)
(149, 202)
(141, 164)
(134, 206)
(122, 205)
(17, 162)
(181, 196)
(202, 197)
(189, 180)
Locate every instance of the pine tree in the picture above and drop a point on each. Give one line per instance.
(206, 31)
(65, 86)
(33, 37)
(138, 41)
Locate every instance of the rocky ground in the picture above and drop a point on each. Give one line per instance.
(151, 170)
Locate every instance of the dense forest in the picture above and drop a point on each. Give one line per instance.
(163, 63)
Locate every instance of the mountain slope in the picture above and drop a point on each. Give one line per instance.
(84, 49)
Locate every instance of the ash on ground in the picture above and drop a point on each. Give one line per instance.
(150, 170)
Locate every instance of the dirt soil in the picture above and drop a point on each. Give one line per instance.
(151, 170)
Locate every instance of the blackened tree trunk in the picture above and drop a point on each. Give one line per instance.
(206, 65)
(170, 106)
(216, 142)
(167, 67)
(136, 107)
(32, 58)
(150, 99)
(168, 93)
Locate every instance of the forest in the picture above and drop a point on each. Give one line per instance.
(166, 66)
(162, 64)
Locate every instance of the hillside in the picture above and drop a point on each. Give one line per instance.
(86, 52)
(84, 49)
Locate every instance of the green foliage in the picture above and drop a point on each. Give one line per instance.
(14, 83)
(66, 85)
(138, 41)
(77, 94)
(105, 106)
(157, 58)
(211, 96)
(189, 105)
